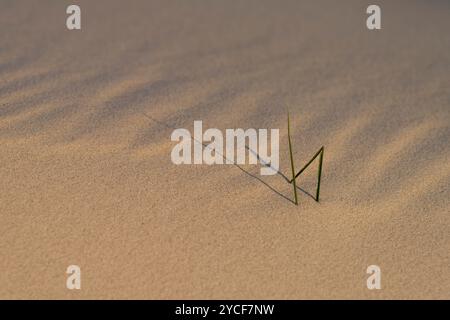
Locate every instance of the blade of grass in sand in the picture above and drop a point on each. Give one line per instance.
(292, 161)
(319, 174)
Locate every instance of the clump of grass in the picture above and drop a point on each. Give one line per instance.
(294, 176)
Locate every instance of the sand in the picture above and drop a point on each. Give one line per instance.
(86, 176)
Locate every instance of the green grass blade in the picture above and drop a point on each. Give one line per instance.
(307, 165)
(319, 174)
(292, 161)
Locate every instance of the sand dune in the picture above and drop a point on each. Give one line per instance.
(86, 176)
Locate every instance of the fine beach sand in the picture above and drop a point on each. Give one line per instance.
(86, 176)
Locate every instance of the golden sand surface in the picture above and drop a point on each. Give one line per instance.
(86, 176)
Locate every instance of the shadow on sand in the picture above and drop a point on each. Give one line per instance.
(158, 122)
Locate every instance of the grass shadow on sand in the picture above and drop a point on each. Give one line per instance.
(158, 122)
